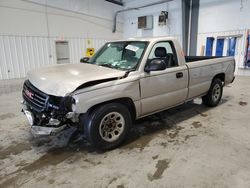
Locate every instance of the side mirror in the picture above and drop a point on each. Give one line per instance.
(84, 59)
(155, 65)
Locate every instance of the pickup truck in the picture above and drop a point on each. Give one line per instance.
(124, 81)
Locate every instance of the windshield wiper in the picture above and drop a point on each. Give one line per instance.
(107, 65)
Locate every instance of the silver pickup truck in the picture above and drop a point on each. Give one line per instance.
(124, 81)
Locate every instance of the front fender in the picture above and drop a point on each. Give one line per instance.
(88, 99)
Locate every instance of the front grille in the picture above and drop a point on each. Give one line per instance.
(34, 98)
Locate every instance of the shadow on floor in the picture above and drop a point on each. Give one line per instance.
(142, 132)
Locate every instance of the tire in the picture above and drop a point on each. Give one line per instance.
(214, 94)
(107, 126)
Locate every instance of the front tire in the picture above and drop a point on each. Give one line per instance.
(107, 126)
(214, 94)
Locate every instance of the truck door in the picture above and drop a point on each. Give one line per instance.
(164, 88)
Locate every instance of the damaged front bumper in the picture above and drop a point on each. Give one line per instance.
(53, 127)
(47, 114)
(46, 131)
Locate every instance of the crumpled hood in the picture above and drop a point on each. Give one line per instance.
(59, 80)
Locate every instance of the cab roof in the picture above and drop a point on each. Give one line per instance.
(147, 39)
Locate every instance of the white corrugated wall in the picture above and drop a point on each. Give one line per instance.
(29, 31)
(19, 54)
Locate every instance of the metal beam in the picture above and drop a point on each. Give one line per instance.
(194, 27)
(185, 24)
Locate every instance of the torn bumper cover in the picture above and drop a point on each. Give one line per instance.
(43, 130)
(46, 131)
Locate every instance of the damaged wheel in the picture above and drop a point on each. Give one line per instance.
(106, 127)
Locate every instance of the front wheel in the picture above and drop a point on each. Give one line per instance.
(107, 126)
(214, 94)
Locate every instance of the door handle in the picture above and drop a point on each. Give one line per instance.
(179, 75)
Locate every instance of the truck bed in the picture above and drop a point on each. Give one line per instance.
(199, 58)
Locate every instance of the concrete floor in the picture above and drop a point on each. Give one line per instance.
(189, 146)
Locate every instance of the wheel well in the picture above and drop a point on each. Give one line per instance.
(128, 102)
(221, 76)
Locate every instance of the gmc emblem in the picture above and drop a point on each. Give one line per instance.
(29, 94)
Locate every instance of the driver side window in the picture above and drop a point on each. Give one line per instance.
(164, 51)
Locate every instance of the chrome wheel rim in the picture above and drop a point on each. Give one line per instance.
(216, 93)
(111, 126)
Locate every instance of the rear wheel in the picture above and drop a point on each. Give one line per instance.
(106, 127)
(214, 94)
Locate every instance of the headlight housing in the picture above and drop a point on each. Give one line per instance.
(70, 103)
(73, 106)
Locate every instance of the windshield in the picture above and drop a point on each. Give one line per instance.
(120, 55)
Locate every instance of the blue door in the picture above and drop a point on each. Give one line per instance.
(209, 46)
(247, 61)
(231, 46)
(219, 47)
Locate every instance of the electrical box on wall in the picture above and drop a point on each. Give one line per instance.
(145, 22)
(163, 18)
